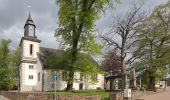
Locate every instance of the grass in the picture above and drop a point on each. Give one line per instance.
(104, 95)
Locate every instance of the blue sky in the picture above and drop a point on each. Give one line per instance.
(13, 14)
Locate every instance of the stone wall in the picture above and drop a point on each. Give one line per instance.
(42, 96)
(119, 95)
(116, 96)
(159, 90)
(136, 94)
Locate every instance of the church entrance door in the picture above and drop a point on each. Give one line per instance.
(81, 86)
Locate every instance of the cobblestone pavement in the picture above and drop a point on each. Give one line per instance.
(158, 96)
(3, 98)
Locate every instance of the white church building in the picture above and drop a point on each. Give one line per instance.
(34, 74)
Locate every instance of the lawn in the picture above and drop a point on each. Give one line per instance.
(104, 95)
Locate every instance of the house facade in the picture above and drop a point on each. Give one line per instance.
(34, 74)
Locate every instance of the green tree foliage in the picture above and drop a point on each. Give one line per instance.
(5, 73)
(4, 53)
(15, 62)
(153, 44)
(76, 26)
(85, 65)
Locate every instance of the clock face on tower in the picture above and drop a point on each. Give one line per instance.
(31, 30)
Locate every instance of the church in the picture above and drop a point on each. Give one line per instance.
(37, 76)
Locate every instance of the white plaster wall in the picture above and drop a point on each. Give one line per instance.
(34, 83)
(48, 81)
(27, 71)
(26, 83)
(26, 48)
(77, 77)
(89, 85)
(76, 85)
(38, 69)
(99, 84)
(61, 85)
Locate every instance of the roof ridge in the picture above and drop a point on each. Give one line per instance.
(49, 48)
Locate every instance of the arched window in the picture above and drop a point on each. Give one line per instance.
(31, 49)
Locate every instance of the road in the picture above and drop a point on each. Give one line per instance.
(158, 96)
(3, 98)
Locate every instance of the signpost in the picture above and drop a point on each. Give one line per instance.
(55, 79)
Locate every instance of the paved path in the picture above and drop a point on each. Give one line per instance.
(3, 98)
(158, 96)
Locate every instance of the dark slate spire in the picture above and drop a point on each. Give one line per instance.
(29, 17)
(29, 27)
(29, 21)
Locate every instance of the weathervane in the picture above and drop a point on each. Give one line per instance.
(28, 4)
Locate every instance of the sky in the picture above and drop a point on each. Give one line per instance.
(13, 15)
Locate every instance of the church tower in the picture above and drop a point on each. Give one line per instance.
(29, 46)
(29, 27)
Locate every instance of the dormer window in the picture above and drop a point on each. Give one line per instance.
(31, 49)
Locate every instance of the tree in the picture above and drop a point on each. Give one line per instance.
(15, 62)
(112, 63)
(76, 22)
(4, 53)
(153, 43)
(85, 65)
(125, 29)
(5, 73)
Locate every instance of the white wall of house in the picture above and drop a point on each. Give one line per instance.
(61, 85)
(28, 84)
(99, 84)
(36, 84)
(32, 72)
(49, 81)
(38, 68)
(26, 49)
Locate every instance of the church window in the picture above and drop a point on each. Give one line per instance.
(39, 76)
(31, 49)
(31, 77)
(31, 67)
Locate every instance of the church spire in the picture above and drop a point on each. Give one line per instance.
(29, 27)
(29, 21)
(29, 17)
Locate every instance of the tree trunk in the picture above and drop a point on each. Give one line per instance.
(76, 35)
(70, 80)
(151, 84)
(69, 86)
(71, 69)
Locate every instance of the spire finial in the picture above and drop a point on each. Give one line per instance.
(28, 5)
(29, 17)
(29, 20)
